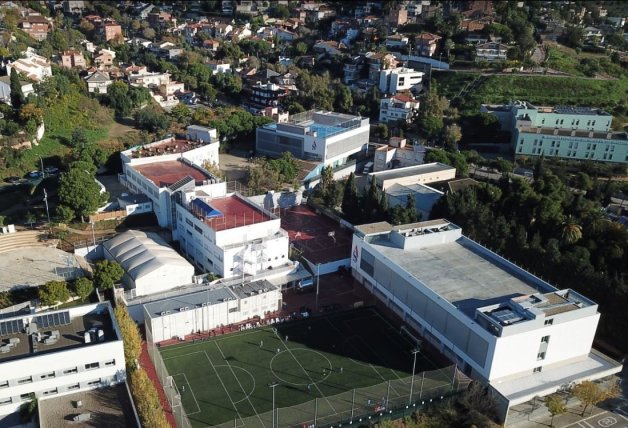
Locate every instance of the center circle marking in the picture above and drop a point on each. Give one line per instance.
(300, 367)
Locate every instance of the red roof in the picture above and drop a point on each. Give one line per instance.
(166, 173)
(235, 213)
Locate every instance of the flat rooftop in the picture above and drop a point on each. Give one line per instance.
(232, 211)
(207, 297)
(458, 273)
(166, 173)
(165, 147)
(579, 133)
(427, 168)
(71, 333)
(108, 407)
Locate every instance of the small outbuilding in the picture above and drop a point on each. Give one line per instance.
(150, 264)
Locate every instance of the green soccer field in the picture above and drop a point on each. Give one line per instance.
(317, 363)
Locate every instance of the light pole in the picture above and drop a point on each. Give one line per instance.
(93, 233)
(273, 385)
(318, 276)
(42, 166)
(414, 352)
(47, 210)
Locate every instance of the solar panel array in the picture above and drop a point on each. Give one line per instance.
(506, 316)
(11, 327)
(53, 320)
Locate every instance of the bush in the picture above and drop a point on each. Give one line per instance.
(130, 335)
(53, 293)
(146, 400)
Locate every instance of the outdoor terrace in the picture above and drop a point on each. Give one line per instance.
(166, 173)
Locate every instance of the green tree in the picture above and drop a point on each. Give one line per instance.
(300, 48)
(79, 190)
(382, 131)
(286, 166)
(17, 96)
(351, 200)
(79, 138)
(53, 293)
(411, 213)
(343, 101)
(30, 219)
(118, 98)
(452, 135)
(65, 213)
(152, 120)
(573, 36)
(555, 406)
(107, 273)
(83, 287)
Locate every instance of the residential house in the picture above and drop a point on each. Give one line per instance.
(396, 154)
(5, 88)
(73, 6)
(471, 25)
(161, 19)
(593, 36)
(491, 51)
(275, 114)
(211, 44)
(426, 43)
(34, 67)
(476, 38)
(330, 47)
(73, 59)
(396, 41)
(97, 82)
(478, 9)
(222, 30)
(103, 59)
(240, 33)
(219, 66)
(353, 70)
(397, 16)
(36, 26)
(378, 61)
(394, 80)
(399, 108)
(285, 35)
(111, 30)
(617, 22)
(266, 94)
(166, 50)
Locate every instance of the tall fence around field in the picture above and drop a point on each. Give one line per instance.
(170, 388)
(394, 398)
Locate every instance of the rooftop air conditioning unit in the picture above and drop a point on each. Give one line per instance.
(162, 313)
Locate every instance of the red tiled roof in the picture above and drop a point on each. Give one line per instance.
(166, 173)
(235, 213)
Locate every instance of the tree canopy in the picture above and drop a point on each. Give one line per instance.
(107, 273)
(53, 292)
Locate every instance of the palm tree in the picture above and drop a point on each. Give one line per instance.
(597, 221)
(572, 231)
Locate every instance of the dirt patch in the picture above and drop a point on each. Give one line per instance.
(120, 127)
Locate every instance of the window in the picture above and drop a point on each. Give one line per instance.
(92, 366)
(26, 396)
(110, 363)
(540, 356)
(549, 321)
(25, 380)
(589, 146)
(231, 310)
(48, 375)
(73, 387)
(4, 384)
(94, 382)
(537, 369)
(50, 392)
(594, 146)
(70, 371)
(6, 400)
(571, 145)
(545, 339)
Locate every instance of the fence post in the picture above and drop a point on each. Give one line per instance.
(387, 394)
(352, 404)
(422, 380)
(315, 409)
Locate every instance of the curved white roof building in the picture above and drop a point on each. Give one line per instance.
(150, 264)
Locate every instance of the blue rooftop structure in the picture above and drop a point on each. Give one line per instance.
(203, 208)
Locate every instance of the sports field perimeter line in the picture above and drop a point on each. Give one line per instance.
(248, 398)
(226, 336)
(224, 387)
(193, 395)
(305, 371)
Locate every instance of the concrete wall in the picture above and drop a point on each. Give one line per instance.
(272, 200)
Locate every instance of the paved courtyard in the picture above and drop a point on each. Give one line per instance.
(30, 267)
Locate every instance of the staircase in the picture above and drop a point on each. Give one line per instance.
(25, 239)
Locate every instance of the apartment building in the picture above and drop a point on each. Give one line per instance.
(36, 26)
(48, 354)
(491, 51)
(34, 67)
(426, 43)
(501, 325)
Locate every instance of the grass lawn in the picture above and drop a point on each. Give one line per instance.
(317, 362)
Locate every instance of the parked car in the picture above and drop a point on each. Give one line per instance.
(51, 170)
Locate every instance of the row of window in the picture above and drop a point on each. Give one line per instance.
(65, 372)
(29, 396)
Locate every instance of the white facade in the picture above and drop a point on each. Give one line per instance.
(161, 196)
(232, 246)
(5, 89)
(34, 67)
(419, 174)
(491, 51)
(394, 80)
(205, 310)
(61, 367)
(202, 133)
(150, 264)
(501, 324)
(397, 109)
